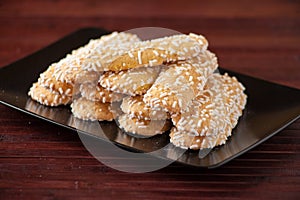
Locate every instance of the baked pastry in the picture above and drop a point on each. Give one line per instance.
(47, 97)
(95, 92)
(48, 81)
(175, 88)
(130, 82)
(213, 114)
(91, 110)
(115, 45)
(142, 84)
(160, 51)
(143, 128)
(135, 107)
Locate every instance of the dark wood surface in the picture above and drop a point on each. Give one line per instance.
(260, 38)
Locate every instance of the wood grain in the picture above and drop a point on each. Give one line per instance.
(43, 161)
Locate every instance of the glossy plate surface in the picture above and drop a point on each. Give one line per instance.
(270, 107)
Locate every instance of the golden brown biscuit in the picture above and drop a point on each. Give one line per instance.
(160, 51)
(74, 66)
(91, 110)
(145, 128)
(142, 58)
(46, 97)
(135, 107)
(87, 77)
(175, 88)
(62, 76)
(48, 81)
(115, 45)
(185, 140)
(68, 70)
(95, 92)
(131, 82)
(114, 37)
(213, 114)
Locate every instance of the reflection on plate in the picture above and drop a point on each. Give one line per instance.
(270, 108)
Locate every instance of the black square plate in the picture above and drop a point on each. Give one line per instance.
(270, 107)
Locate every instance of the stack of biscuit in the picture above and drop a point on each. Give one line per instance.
(161, 85)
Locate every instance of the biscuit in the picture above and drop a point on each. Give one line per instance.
(131, 82)
(175, 88)
(160, 51)
(95, 92)
(185, 140)
(204, 107)
(213, 113)
(135, 107)
(113, 37)
(87, 77)
(68, 70)
(73, 66)
(115, 46)
(143, 128)
(61, 77)
(91, 110)
(46, 97)
(48, 81)
(142, 58)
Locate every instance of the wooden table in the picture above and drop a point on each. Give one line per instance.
(259, 38)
